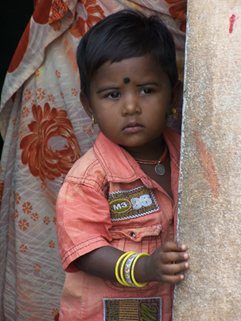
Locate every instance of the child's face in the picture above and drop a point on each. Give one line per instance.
(129, 100)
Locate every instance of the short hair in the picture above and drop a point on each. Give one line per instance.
(122, 35)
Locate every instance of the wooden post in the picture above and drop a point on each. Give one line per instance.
(210, 184)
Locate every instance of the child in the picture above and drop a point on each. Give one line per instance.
(116, 209)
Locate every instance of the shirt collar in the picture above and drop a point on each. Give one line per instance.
(120, 166)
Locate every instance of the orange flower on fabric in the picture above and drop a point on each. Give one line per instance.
(51, 244)
(46, 220)
(15, 215)
(37, 267)
(23, 248)
(51, 148)
(58, 10)
(23, 225)
(27, 208)
(178, 10)
(34, 216)
(92, 13)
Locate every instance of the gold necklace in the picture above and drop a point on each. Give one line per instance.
(160, 167)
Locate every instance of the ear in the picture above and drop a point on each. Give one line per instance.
(86, 104)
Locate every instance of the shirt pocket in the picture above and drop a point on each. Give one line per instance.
(135, 233)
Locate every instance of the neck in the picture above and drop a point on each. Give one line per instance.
(150, 151)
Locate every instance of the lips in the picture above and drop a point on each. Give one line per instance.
(133, 127)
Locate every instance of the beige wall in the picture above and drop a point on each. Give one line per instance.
(210, 184)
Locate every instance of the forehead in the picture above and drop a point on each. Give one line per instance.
(133, 69)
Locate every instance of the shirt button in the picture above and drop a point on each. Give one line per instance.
(133, 235)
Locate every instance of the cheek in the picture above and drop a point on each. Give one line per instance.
(104, 114)
(99, 110)
(157, 108)
(107, 120)
(156, 118)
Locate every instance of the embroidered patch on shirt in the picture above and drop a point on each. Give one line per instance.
(133, 309)
(132, 203)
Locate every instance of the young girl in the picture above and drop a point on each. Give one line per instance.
(117, 207)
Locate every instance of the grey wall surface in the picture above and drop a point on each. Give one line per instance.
(210, 185)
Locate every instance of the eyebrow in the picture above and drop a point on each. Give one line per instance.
(148, 83)
(153, 83)
(99, 91)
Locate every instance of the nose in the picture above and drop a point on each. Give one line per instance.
(131, 105)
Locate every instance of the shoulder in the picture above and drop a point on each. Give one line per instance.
(87, 171)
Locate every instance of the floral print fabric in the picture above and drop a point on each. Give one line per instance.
(45, 130)
(51, 147)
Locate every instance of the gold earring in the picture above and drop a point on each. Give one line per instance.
(174, 113)
(92, 121)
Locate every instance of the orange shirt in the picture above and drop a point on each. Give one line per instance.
(107, 200)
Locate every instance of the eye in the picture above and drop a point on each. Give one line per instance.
(146, 90)
(115, 94)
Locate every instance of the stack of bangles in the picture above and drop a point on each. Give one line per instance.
(125, 269)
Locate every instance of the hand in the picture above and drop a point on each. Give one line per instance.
(168, 263)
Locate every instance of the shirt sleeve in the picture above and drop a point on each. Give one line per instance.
(83, 221)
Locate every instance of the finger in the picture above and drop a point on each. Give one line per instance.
(172, 279)
(168, 257)
(172, 269)
(173, 246)
(182, 247)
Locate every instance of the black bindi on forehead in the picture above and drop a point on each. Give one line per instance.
(126, 80)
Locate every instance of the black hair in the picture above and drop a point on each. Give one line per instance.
(122, 35)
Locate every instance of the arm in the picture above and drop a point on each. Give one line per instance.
(167, 264)
(84, 240)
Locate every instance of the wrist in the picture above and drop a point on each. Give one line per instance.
(126, 269)
(142, 269)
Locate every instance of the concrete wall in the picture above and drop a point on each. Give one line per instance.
(210, 184)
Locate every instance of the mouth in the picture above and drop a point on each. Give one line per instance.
(132, 127)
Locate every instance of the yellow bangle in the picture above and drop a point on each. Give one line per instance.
(129, 254)
(117, 267)
(138, 285)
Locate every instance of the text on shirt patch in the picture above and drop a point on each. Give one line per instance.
(127, 204)
(133, 309)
